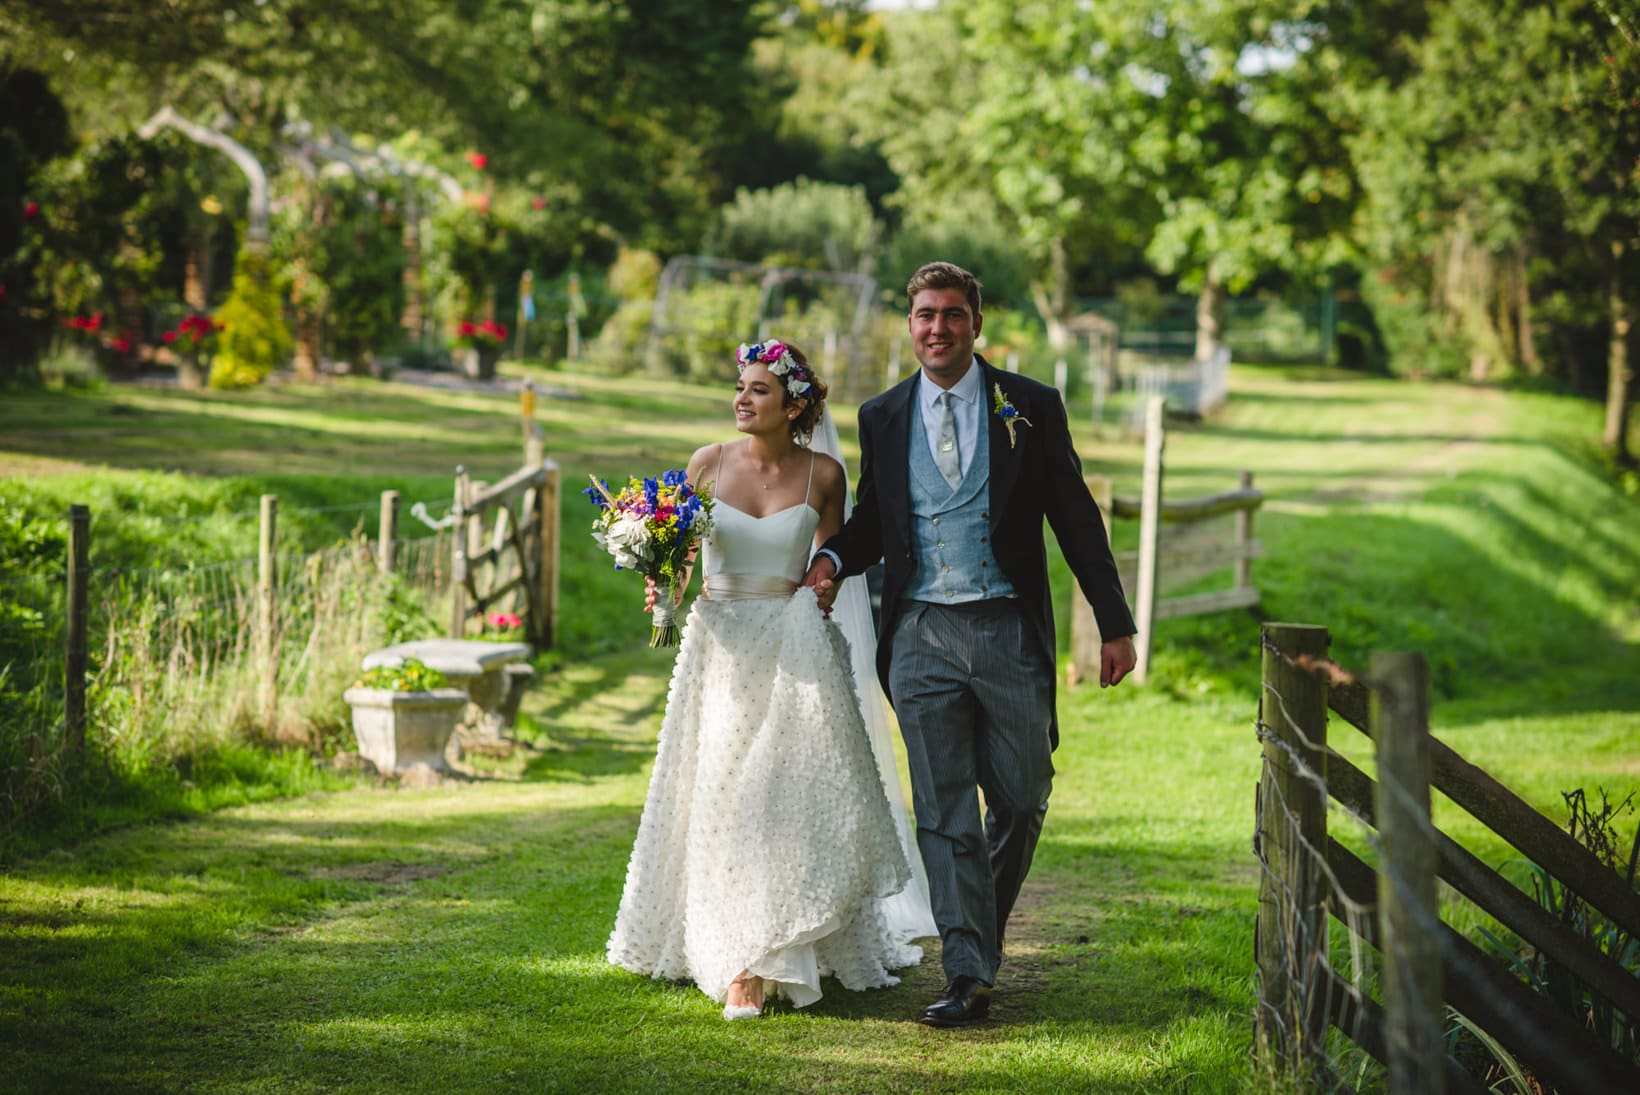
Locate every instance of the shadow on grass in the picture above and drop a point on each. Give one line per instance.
(462, 950)
(1496, 633)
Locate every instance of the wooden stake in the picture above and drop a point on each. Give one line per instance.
(79, 595)
(1407, 913)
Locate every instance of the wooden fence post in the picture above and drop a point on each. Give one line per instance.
(545, 608)
(458, 558)
(1244, 537)
(481, 573)
(526, 416)
(1085, 638)
(1150, 525)
(1290, 939)
(267, 608)
(1408, 931)
(387, 542)
(79, 597)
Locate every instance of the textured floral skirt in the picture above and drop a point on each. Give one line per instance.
(766, 842)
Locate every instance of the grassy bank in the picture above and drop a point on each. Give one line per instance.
(409, 940)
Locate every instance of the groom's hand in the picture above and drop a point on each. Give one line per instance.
(1116, 660)
(821, 577)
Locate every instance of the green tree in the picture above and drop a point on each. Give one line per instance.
(33, 130)
(1500, 162)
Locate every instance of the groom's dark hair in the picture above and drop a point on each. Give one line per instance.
(943, 275)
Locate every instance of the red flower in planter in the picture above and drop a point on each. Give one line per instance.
(478, 160)
(31, 210)
(484, 335)
(121, 342)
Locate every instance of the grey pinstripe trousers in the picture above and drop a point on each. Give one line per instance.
(973, 693)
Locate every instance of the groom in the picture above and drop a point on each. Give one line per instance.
(958, 467)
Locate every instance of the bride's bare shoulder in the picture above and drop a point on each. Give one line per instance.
(828, 473)
(705, 459)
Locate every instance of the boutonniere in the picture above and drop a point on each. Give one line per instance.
(1005, 411)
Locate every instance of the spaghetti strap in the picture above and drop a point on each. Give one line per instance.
(717, 472)
(807, 490)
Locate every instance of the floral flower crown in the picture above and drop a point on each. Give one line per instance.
(781, 363)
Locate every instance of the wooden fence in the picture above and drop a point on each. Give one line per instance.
(508, 557)
(1178, 543)
(1309, 880)
(505, 554)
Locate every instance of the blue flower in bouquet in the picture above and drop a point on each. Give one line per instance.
(652, 526)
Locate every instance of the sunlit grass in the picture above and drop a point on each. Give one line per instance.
(452, 938)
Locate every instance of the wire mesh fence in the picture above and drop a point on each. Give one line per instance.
(185, 653)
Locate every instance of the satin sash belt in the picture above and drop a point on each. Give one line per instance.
(734, 587)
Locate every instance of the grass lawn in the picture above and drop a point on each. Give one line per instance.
(381, 939)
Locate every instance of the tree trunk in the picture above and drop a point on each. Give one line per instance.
(1052, 296)
(128, 308)
(410, 320)
(1209, 318)
(1618, 367)
(1529, 357)
(194, 273)
(308, 327)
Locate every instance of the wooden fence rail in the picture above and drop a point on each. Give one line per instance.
(1176, 546)
(519, 517)
(505, 552)
(1307, 874)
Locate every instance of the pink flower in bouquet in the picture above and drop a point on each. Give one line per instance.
(652, 526)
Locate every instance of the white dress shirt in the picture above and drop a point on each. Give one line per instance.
(966, 396)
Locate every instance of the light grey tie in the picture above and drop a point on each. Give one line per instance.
(946, 457)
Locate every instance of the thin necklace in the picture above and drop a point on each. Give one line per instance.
(753, 463)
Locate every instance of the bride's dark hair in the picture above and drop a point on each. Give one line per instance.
(803, 425)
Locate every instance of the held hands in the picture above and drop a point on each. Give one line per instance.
(1116, 660)
(651, 594)
(821, 578)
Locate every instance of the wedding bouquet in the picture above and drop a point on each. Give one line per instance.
(652, 526)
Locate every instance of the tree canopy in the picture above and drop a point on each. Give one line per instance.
(1466, 168)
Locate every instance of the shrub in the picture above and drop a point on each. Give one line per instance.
(817, 225)
(254, 339)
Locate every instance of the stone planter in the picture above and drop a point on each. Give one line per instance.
(476, 364)
(492, 674)
(398, 729)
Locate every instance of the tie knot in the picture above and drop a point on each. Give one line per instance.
(945, 397)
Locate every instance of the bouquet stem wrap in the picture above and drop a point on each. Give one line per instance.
(664, 632)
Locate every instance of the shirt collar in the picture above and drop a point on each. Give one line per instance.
(968, 389)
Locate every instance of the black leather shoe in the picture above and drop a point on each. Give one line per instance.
(966, 1000)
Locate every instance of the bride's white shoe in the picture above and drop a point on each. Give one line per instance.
(731, 1012)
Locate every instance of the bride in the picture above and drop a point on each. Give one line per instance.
(775, 846)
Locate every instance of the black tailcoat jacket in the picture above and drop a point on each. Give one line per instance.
(1037, 476)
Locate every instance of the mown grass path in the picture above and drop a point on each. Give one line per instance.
(451, 938)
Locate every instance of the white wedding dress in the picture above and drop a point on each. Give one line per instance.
(775, 837)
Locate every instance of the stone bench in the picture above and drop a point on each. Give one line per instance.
(494, 675)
